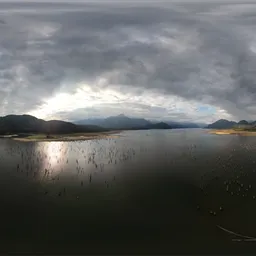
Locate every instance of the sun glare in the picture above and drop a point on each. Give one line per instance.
(83, 97)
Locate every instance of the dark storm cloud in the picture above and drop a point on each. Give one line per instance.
(198, 52)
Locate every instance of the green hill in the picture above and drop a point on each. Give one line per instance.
(226, 124)
(13, 124)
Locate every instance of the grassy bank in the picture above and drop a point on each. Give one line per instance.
(68, 137)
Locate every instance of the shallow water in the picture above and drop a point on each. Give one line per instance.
(144, 192)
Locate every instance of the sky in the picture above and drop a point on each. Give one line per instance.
(171, 60)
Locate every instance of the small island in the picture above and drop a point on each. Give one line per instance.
(66, 137)
(233, 132)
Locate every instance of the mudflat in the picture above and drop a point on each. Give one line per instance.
(69, 137)
(233, 132)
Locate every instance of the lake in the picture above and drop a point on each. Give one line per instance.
(157, 191)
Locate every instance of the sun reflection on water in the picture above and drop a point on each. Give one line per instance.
(53, 155)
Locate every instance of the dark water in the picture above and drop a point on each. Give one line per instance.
(144, 192)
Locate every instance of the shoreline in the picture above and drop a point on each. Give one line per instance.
(69, 137)
(232, 132)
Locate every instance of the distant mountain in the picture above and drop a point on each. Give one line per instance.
(243, 122)
(117, 122)
(160, 125)
(201, 125)
(222, 124)
(124, 122)
(175, 125)
(186, 124)
(90, 121)
(225, 124)
(29, 124)
(154, 126)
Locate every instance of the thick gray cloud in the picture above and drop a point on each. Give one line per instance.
(202, 54)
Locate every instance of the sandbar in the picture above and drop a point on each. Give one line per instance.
(69, 137)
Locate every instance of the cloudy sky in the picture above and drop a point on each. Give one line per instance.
(182, 61)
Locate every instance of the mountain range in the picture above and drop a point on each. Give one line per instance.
(13, 124)
(29, 124)
(125, 122)
(226, 124)
(19, 124)
(116, 122)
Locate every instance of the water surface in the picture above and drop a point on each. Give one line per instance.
(144, 192)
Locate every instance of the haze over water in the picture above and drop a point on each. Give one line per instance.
(145, 191)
